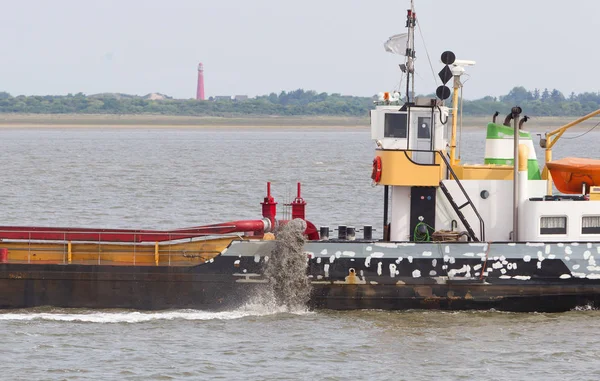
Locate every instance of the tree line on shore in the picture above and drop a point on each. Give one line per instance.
(294, 103)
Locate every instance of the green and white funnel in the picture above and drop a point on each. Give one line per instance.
(499, 148)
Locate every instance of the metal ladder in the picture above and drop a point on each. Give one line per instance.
(457, 208)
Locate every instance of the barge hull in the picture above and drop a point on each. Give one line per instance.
(163, 287)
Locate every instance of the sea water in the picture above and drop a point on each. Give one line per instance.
(171, 178)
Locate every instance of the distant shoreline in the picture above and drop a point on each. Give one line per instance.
(167, 121)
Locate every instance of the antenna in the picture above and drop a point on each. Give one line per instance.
(411, 21)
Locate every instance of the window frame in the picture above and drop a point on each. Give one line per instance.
(596, 228)
(554, 231)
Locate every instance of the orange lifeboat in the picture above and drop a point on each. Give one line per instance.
(569, 174)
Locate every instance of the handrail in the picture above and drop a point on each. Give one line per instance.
(481, 222)
(449, 168)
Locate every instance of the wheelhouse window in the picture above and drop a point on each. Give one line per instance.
(396, 126)
(553, 225)
(590, 225)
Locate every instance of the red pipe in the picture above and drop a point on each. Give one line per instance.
(311, 231)
(128, 235)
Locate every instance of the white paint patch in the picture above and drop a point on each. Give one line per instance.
(514, 265)
(373, 282)
(444, 267)
(446, 258)
(319, 277)
(574, 243)
(267, 258)
(427, 253)
(236, 263)
(351, 259)
(505, 276)
(565, 276)
(477, 273)
(593, 276)
(589, 245)
(497, 265)
(434, 262)
(480, 244)
(560, 244)
(410, 259)
(388, 245)
(399, 260)
(503, 271)
(511, 244)
(452, 260)
(324, 252)
(256, 258)
(379, 270)
(447, 249)
(567, 258)
(477, 267)
(348, 253)
(551, 256)
(522, 277)
(539, 265)
(578, 275)
(593, 268)
(369, 248)
(592, 261)
(527, 258)
(469, 254)
(534, 244)
(368, 261)
(496, 258)
(332, 259)
(568, 250)
(392, 270)
(416, 274)
(587, 254)
(377, 254)
(319, 260)
(505, 262)
(540, 256)
(465, 269)
(338, 254)
(432, 273)
(326, 269)
(406, 244)
(575, 267)
(548, 247)
(509, 266)
(244, 271)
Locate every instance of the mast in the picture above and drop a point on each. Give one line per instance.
(411, 21)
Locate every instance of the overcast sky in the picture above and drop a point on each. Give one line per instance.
(261, 46)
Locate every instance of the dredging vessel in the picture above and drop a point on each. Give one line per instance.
(452, 239)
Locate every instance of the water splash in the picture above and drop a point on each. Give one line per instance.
(108, 317)
(285, 270)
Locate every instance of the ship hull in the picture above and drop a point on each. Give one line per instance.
(344, 276)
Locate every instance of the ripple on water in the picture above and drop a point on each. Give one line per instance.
(169, 178)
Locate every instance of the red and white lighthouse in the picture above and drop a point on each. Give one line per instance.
(200, 88)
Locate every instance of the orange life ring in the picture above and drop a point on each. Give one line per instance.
(376, 174)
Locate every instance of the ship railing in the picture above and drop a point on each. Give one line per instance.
(64, 249)
(465, 194)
